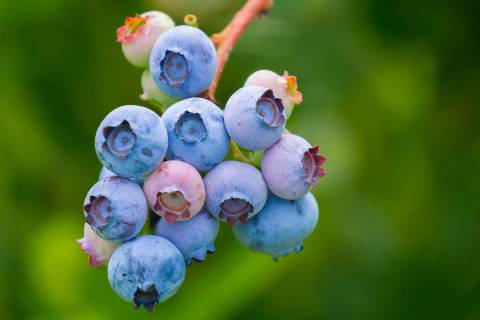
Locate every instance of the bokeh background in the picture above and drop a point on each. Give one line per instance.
(391, 94)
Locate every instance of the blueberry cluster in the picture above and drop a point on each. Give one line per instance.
(194, 166)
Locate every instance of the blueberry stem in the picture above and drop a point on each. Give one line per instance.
(226, 39)
(237, 154)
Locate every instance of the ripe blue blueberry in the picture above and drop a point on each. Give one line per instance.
(115, 208)
(235, 190)
(281, 226)
(183, 62)
(194, 238)
(131, 141)
(196, 133)
(254, 117)
(292, 166)
(146, 271)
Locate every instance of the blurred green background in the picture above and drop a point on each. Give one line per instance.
(391, 94)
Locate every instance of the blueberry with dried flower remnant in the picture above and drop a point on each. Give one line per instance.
(235, 190)
(131, 141)
(196, 133)
(292, 166)
(139, 34)
(254, 117)
(146, 271)
(98, 249)
(115, 208)
(285, 87)
(183, 62)
(281, 227)
(175, 191)
(194, 238)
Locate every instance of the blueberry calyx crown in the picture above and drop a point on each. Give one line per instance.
(148, 297)
(174, 69)
(234, 210)
(271, 109)
(132, 27)
(294, 95)
(190, 127)
(172, 205)
(119, 140)
(312, 162)
(98, 209)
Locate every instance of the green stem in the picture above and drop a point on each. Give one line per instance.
(237, 154)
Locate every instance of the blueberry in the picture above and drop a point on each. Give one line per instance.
(196, 133)
(146, 271)
(194, 238)
(291, 167)
(175, 191)
(153, 94)
(254, 117)
(140, 33)
(98, 249)
(183, 62)
(285, 87)
(131, 141)
(281, 226)
(115, 208)
(105, 173)
(235, 190)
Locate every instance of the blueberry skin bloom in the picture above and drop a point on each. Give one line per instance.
(115, 208)
(194, 238)
(183, 62)
(175, 191)
(281, 226)
(131, 141)
(196, 133)
(146, 271)
(254, 117)
(236, 191)
(291, 167)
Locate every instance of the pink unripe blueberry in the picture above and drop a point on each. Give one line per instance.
(284, 87)
(175, 191)
(139, 34)
(98, 249)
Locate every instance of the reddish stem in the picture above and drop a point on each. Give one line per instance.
(226, 39)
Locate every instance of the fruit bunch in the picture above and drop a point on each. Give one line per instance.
(194, 166)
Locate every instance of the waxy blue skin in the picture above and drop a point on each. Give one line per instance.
(194, 237)
(282, 167)
(115, 208)
(281, 226)
(234, 179)
(183, 62)
(196, 133)
(244, 123)
(139, 148)
(105, 173)
(150, 264)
